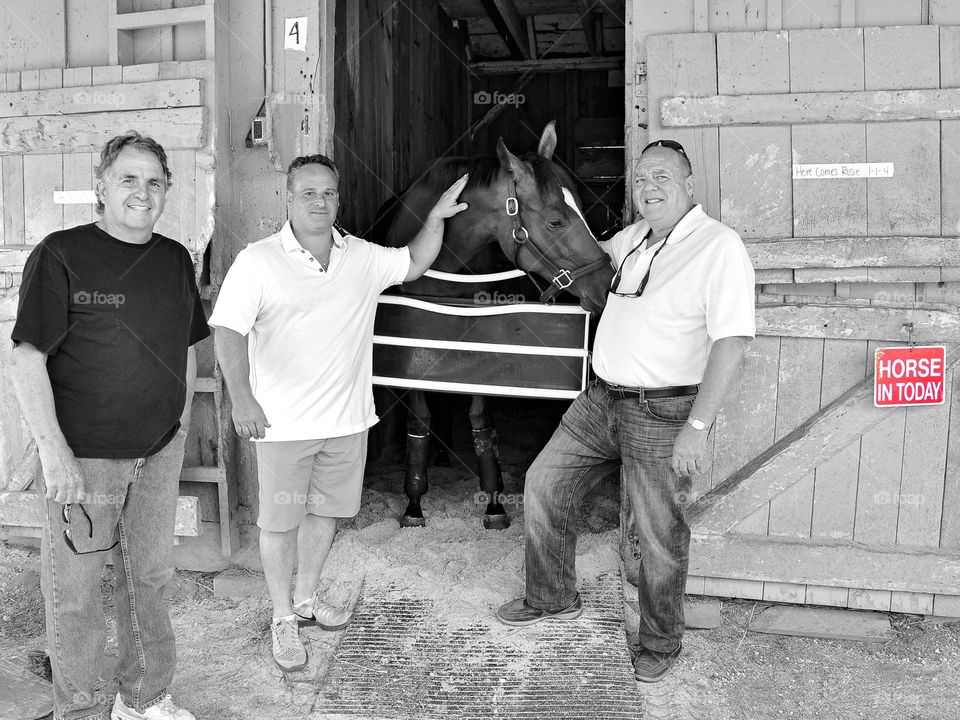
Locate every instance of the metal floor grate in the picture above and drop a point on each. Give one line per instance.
(401, 658)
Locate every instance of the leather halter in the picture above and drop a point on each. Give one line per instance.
(561, 278)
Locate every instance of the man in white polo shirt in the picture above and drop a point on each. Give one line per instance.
(668, 349)
(294, 332)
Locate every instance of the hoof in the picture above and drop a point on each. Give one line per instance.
(412, 521)
(496, 522)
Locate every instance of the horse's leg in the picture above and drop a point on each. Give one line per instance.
(418, 440)
(488, 463)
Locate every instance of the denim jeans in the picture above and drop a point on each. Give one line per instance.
(597, 433)
(133, 502)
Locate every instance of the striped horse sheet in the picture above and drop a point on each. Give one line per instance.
(462, 346)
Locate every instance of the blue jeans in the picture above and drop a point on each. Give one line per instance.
(133, 502)
(597, 433)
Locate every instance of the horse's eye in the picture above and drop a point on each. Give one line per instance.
(554, 224)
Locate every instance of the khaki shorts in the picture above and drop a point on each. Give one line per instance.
(320, 477)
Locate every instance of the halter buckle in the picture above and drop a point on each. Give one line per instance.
(521, 240)
(513, 207)
(563, 280)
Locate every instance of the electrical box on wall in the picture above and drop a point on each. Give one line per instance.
(258, 128)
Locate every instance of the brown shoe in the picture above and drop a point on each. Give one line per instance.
(519, 613)
(652, 666)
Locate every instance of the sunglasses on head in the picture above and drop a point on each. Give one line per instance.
(669, 144)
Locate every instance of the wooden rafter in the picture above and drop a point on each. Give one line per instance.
(792, 458)
(589, 25)
(503, 14)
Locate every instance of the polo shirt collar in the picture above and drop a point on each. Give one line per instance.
(290, 244)
(688, 223)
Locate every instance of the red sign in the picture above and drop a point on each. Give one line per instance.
(909, 376)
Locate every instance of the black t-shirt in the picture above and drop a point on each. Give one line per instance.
(115, 320)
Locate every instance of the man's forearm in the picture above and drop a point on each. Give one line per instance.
(231, 349)
(425, 247)
(723, 369)
(31, 383)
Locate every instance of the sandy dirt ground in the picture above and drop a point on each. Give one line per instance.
(226, 671)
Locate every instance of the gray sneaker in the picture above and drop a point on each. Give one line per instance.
(288, 650)
(328, 617)
(163, 710)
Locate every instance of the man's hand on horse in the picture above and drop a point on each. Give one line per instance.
(448, 205)
(249, 419)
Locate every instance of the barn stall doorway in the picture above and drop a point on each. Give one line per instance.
(418, 80)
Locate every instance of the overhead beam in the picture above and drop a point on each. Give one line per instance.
(589, 25)
(514, 67)
(503, 14)
(791, 459)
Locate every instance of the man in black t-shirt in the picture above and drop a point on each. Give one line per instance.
(103, 368)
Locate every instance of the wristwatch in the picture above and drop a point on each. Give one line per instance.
(696, 424)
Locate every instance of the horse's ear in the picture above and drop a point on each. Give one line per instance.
(548, 141)
(511, 163)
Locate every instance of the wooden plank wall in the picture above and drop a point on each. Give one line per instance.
(401, 101)
(896, 485)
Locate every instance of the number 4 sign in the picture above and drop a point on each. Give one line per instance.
(295, 34)
(909, 376)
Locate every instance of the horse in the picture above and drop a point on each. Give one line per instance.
(522, 213)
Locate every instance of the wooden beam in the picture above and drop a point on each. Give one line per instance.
(25, 509)
(27, 471)
(849, 252)
(937, 324)
(589, 25)
(128, 96)
(514, 67)
(825, 562)
(505, 18)
(820, 107)
(87, 132)
(791, 458)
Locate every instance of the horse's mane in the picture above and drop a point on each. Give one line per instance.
(483, 170)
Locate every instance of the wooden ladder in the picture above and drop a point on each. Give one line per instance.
(214, 474)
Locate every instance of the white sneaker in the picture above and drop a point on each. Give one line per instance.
(288, 650)
(163, 710)
(328, 617)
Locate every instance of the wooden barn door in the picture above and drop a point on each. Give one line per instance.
(814, 495)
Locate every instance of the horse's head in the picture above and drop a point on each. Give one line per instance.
(550, 236)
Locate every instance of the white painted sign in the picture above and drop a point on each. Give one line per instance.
(295, 34)
(842, 171)
(74, 197)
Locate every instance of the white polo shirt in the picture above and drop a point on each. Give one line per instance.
(310, 331)
(701, 289)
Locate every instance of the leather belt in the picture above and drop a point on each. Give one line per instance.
(619, 391)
